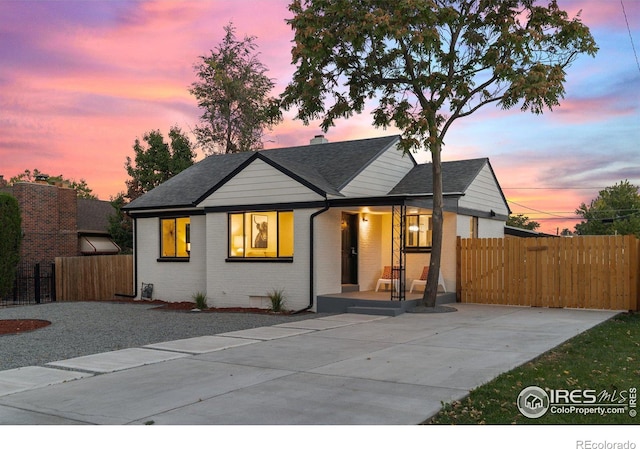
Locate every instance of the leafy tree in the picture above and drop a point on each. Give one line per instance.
(616, 210)
(233, 93)
(10, 238)
(120, 225)
(522, 221)
(157, 161)
(81, 188)
(429, 63)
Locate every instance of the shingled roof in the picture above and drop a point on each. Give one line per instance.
(456, 177)
(93, 215)
(326, 168)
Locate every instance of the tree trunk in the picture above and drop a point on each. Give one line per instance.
(431, 289)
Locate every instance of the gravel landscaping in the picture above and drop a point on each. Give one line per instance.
(84, 328)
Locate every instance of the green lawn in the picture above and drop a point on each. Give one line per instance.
(605, 357)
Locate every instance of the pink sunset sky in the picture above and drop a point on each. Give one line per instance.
(81, 80)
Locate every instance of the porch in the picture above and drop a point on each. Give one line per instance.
(374, 303)
(379, 237)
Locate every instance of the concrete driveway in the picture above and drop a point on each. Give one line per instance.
(341, 369)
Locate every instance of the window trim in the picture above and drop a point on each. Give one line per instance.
(243, 258)
(474, 227)
(417, 248)
(162, 258)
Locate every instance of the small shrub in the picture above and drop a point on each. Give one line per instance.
(10, 238)
(277, 300)
(200, 300)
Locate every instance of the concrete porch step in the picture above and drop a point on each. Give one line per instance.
(384, 311)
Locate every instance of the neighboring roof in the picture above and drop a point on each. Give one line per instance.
(456, 177)
(93, 215)
(519, 232)
(325, 167)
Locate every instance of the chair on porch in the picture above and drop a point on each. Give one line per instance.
(386, 278)
(423, 280)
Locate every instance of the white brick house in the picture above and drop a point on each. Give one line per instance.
(308, 220)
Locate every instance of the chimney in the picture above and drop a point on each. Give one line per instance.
(319, 138)
(42, 179)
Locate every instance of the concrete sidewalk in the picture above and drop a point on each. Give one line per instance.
(341, 369)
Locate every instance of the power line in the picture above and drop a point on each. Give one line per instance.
(554, 216)
(535, 210)
(634, 211)
(590, 219)
(633, 47)
(553, 188)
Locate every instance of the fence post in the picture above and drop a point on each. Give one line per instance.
(52, 282)
(36, 282)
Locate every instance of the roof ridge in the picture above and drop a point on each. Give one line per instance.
(341, 142)
(299, 170)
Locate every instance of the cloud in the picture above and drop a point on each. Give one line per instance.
(593, 109)
(602, 14)
(81, 80)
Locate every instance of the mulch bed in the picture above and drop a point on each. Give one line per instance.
(189, 307)
(18, 326)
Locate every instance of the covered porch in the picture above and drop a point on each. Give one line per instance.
(378, 236)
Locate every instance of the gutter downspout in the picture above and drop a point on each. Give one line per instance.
(135, 263)
(311, 256)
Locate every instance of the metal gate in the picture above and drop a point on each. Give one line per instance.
(34, 284)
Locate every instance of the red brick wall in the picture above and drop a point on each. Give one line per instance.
(67, 227)
(48, 221)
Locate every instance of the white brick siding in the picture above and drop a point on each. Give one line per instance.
(172, 281)
(371, 257)
(327, 252)
(233, 284)
(490, 228)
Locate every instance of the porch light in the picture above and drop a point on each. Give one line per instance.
(414, 228)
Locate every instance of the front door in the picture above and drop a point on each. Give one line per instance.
(349, 248)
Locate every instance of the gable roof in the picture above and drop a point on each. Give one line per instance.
(457, 176)
(325, 168)
(338, 163)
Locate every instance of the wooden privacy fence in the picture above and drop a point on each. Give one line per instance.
(93, 277)
(591, 272)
